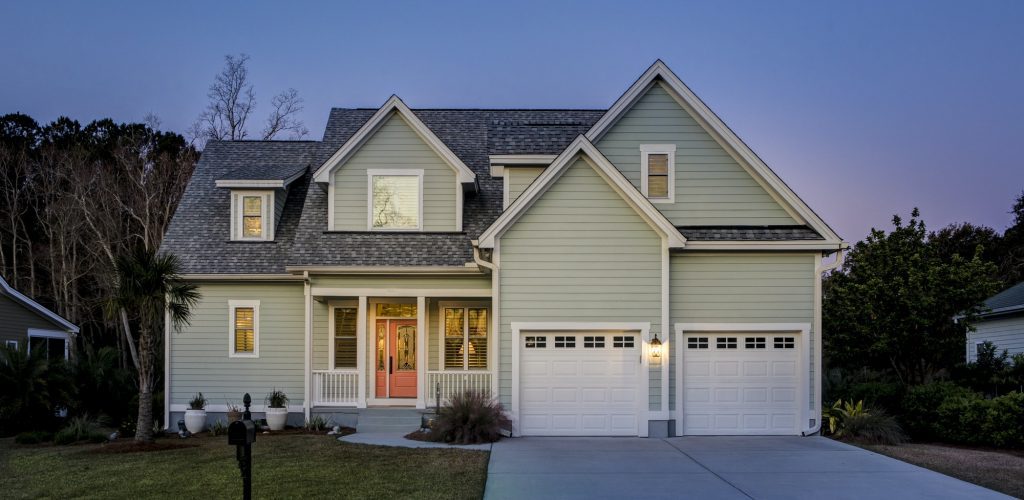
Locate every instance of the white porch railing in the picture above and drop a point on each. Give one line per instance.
(335, 388)
(456, 382)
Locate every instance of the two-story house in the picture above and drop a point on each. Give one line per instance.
(631, 271)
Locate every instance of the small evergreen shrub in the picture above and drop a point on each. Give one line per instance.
(81, 428)
(317, 424)
(920, 409)
(1004, 421)
(198, 402)
(219, 428)
(469, 418)
(277, 399)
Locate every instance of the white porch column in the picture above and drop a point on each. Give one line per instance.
(307, 403)
(421, 351)
(361, 313)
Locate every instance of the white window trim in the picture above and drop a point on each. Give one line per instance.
(11, 343)
(49, 334)
(267, 215)
(235, 304)
(658, 149)
(465, 306)
(346, 304)
(406, 172)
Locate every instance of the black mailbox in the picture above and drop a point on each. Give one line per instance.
(241, 433)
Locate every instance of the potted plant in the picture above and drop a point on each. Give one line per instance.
(277, 410)
(195, 415)
(234, 413)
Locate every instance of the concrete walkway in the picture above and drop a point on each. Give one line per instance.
(709, 467)
(398, 439)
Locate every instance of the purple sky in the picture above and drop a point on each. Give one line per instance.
(865, 108)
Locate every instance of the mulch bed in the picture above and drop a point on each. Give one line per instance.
(419, 435)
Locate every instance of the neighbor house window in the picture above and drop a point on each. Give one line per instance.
(345, 337)
(54, 345)
(13, 344)
(465, 337)
(245, 328)
(396, 200)
(657, 170)
(252, 214)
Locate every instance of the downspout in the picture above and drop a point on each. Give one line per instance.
(818, 348)
(307, 357)
(478, 259)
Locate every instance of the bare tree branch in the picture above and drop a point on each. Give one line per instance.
(286, 106)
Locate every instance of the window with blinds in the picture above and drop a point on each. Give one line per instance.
(245, 330)
(465, 338)
(345, 337)
(657, 175)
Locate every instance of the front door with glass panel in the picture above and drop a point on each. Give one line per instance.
(395, 358)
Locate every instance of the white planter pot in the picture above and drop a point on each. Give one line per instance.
(195, 420)
(276, 417)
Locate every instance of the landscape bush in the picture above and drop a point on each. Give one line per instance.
(470, 418)
(81, 428)
(857, 422)
(945, 412)
(919, 411)
(1004, 422)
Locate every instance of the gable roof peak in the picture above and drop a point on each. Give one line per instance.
(394, 105)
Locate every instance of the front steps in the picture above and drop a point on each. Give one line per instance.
(388, 420)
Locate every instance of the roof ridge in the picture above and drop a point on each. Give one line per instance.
(596, 110)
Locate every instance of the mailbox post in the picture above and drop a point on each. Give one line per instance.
(242, 434)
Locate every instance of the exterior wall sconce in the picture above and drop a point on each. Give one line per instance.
(655, 347)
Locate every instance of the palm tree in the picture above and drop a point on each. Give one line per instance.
(148, 287)
(31, 388)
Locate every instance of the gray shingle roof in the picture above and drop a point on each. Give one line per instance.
(749, 233)
(199, 231)
(1011, 298)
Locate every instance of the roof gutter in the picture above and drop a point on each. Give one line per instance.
(479, 258)
(430, 270)
(821, 269)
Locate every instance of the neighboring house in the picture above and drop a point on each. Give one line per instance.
(1001, 322)
(24, 321)
(546, 257)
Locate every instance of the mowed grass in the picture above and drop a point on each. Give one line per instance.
(284, 466)
(999, 470)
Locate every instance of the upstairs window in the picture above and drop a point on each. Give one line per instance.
(396, 200)
(657, 169)
(251, 215)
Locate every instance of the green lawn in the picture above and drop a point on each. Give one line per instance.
(284, 466)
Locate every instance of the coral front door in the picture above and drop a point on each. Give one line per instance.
(396, 358)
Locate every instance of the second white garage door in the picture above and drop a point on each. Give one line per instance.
(741, 384)
(578, 384)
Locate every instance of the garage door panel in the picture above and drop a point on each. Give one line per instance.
(751, 388)
(583, 388)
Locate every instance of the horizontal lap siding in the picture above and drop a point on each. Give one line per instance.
(711, 188)
(412, 283)
(1005, 333)
(579, 254)
(520, 178)
(741, 288)
(199, 352)
(395, 146)
(15, 320)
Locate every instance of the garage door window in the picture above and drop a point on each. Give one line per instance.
(565, 342)
(785, 343)
(536, 342)
(755, 343)
(697, 343)
(593, 342)
(726, 343)
(622, 342)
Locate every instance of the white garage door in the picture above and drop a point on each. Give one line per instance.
(741, 384)
(578, 384)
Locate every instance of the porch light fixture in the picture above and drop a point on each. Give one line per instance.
(655, 347)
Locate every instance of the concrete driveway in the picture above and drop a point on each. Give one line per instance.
(709, 467)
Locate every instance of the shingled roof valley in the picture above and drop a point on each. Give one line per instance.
(199, 233)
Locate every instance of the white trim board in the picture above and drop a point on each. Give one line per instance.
(583, 149)
(728, 139)
(8, 290)
(324, 173)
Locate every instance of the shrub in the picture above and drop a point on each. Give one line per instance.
(469, 418)
(959, 418)
(81, 428)
(1004, 421)
(31, 388)
(317, 424)
(198, 402)
(873, 427)
(218, 428)
(34, 437)
(920, 409)
(277, 399)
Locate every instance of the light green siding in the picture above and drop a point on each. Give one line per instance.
(579, 254)
(520, 178)
(395, 146)
(199, 352)
(741, 288)
(16, 319)
(710, 187)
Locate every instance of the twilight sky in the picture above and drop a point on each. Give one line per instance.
(865, 108)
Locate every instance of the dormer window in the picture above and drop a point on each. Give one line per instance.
(252, 214)
(396, 199)
(657, 170)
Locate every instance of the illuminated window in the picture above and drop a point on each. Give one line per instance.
(396, 200)
(252, 215)
(345, 337)
(465, 337)
(245, 328)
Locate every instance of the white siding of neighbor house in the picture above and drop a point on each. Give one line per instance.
(1006, 333)
(710, 187)
(395, 146)
(199, 352)
(741, 288)
(579, 254)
